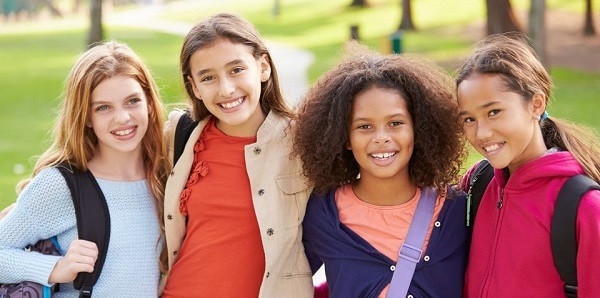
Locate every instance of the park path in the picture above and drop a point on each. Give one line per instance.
(292, 63)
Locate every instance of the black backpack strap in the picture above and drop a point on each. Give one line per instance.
(93, 220)
(184, 129)
(478, 182)
(564, 220)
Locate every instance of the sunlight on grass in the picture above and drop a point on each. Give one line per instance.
(36, 58)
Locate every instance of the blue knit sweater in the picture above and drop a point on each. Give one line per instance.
(45, 209)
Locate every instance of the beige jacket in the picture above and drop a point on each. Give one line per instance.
(279, 193)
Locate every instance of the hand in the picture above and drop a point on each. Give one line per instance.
(80, 257)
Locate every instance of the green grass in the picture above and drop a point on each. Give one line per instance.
(34, 65)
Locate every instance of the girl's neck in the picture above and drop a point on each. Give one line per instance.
(117, 167)
(384, 192)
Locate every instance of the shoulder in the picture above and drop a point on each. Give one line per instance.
(589, 207)
(49, 182)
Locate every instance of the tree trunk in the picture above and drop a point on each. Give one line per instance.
(276, 8)
(589, 28)
(96, 33)
(406, 23)
(537, 29)
(360, 3)
(500, 17)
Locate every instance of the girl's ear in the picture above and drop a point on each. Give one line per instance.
(538, 103)
(194, 88)
(265, 68)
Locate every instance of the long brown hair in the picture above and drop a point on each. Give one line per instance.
(237, 30)
(512, 58)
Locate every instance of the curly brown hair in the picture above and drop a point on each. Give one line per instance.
(322, 130)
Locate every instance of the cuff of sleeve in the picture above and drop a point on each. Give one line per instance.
(39, 268)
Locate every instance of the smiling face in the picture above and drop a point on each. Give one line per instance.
(381, 134)
(227, 78)
(119, 115)
(500, 124)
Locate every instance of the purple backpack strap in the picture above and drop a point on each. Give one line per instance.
(411, 250)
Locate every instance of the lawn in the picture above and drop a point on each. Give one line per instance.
(34, 64)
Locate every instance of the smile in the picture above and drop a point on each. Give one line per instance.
(123, 132)
(493, 147)
(385, 155)
(233, 104)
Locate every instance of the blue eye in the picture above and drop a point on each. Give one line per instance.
(102, 108)
(134, 101)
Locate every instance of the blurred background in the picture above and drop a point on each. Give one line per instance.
(40, 39)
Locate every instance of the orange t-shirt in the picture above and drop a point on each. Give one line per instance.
(384, 227)
(222, 254)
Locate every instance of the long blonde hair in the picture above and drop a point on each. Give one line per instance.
(75, 143)
(510, 57)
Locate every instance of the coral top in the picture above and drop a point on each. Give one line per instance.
(384, 227)
(222, 254)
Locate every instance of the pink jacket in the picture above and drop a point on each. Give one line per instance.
(510, 252)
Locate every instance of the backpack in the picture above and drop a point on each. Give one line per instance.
(562, 233)
(93, 224)
(184, 129)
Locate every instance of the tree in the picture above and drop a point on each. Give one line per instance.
(500, 17)
(537, 29)
(361, 3)
(276, 8)
(96, 33)
(406, 23)
(589, 29)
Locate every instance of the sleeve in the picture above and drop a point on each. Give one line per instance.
(588, 241)
(44, 209)
(309, 224)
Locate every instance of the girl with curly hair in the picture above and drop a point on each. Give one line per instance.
(380, 139)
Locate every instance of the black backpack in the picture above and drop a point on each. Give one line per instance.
(562, 234)
(184, 129)
(93, 224)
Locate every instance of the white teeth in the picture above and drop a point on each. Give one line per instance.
(383, 155)
(492, 147)
(123, 132)
(233, 104)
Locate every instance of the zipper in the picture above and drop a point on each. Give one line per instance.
(499, 205)
(500, 202)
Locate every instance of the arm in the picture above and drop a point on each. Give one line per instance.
(44, 209)
(588, 241)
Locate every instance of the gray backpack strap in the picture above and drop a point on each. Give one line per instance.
(411, 250)
(564, 222)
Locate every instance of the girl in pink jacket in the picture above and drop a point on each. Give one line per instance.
(503, 92)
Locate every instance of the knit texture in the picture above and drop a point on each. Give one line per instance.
(45, 209)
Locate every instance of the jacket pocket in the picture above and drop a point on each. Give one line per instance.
(295, 194)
